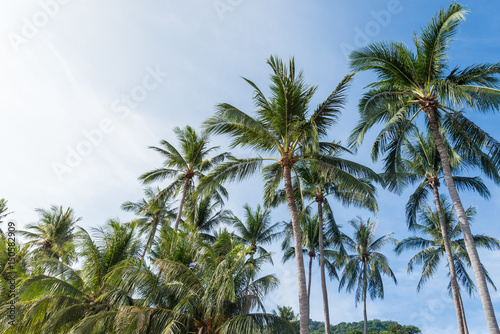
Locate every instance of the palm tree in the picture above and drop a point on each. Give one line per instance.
(411, 82)
(286, 131)
(286, 313)
(363, 269)
(207, 213)
(192, 161)
(63, 300)
(155, 211)
(257, 229)
(420, 162)
(53, 235)
(431, 246)
(344, 187)
(209, 297)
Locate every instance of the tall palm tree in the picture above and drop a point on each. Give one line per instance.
(184, 165)
(155, 211)
(420, 162)
(342, 186)
(53, 235)
(431, 246)
(63, 299)
(409, 82)
(256, 230)
(363, 269)
(286, 131)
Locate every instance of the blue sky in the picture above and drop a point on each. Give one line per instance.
(124, 73)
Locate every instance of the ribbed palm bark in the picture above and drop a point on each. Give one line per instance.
(462, 310)
(322, 267)
(297, 237)
(434, 183)
(429, 106)
(365, 286)
(310, 281)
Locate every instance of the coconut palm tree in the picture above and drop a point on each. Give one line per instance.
(362, 271)
(53, 235)
(205, 214)
(409, 82)
(155, 211)
(286, 313)
(256, 230)
(420, 162)
(63, 300)
(286, 131)
(208, 297)
(431, 247)
(342, 186)
(184, 165)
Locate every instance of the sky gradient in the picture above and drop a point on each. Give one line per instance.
(87, 86)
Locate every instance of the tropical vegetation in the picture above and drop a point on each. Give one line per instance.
(185, 263)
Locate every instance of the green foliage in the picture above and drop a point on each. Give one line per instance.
(374, 326)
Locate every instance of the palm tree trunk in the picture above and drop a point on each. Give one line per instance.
(451, 265)
(154, 223)
(462, 310)
(464, 222)
(322, 269)
(181, 204)
(299, 258)
(365, 318)
(309, 283)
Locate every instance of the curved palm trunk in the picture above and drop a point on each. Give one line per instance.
(299, 258)
(365, 318)
(154, 224)
(451, 265)
(430, 109)
(181, 204)
(322, 269)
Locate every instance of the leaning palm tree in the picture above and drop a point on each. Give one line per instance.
(191, 162)
(286, 131)
(409, 82)
(363, 269)
(256, 230)
(420, 163)
(53, 235)
(155, 211)
(431, 245)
